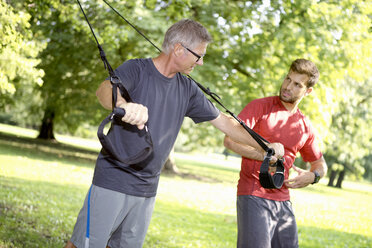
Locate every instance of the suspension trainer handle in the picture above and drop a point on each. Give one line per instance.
(268, 180)
(112, 146)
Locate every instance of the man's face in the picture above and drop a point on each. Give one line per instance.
(294, 87)
(189, 60)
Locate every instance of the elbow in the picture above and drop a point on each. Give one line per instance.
(227, 142)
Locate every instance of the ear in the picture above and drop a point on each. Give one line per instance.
(308, 91)
(178, 49)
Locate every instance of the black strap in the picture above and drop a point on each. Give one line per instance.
(110, 148)
(268, 180)
(259, 139)
(117, 113)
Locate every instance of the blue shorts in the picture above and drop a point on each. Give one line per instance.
(264, 223)
(115, 218)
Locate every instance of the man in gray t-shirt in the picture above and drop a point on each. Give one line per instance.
(118, 207)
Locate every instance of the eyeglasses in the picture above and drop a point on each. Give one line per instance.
(194, 53)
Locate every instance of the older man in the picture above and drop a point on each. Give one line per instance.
(121, 200)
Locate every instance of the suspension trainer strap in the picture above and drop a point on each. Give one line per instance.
(114, 147)
(266, 176)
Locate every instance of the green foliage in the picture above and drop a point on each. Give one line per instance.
(350, 142)
(254, 44)
(18, 52)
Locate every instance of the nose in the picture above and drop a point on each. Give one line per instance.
(290, 86)
(200, 62)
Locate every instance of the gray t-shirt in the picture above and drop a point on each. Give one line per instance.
(168, 101)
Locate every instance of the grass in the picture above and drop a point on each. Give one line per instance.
(42, 187)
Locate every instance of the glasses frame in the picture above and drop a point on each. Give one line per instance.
(193, 53)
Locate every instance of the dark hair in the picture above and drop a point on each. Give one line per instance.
(307, 67)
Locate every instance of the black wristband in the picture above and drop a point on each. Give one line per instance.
(317, 177)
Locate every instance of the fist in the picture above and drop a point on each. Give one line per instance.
(279, 149)
(135, 114)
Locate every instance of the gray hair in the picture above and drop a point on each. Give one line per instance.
(187, 32)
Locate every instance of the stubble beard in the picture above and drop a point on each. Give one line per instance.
(289, 99)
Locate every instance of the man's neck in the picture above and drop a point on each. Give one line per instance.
(291, 107)
(165, 65)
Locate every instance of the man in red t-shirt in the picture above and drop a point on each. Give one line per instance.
(265, 216)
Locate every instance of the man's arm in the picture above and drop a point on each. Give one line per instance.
(237, 133)
(104, 95)
(304, 178)
(243, 150)
(135, 114)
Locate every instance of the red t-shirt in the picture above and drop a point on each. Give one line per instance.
(269, 118)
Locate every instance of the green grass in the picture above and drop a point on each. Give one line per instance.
(42, 187)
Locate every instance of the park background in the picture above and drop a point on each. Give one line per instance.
(50, 69)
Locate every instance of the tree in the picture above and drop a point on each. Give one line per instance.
(258, 40)
(170, 165)
(18, 52)
(254, 44)
(351, 135)
(71, 62)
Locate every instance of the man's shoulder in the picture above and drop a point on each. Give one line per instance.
(305, 119)
(133, 65)
(259, 106)
(186, 82)
(265, 101)
(268, 99)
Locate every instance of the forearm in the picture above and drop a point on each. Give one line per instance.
(243, 150)
(320, 166)
(235, 131)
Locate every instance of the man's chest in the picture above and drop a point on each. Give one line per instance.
(280, 126)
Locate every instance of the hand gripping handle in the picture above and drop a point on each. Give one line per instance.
(268, 180)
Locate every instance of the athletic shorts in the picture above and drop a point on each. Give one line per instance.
(264, 223)
(124, 218)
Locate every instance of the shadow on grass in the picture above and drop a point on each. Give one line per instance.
(37, 213)
(190, 176)
(192, 169)
(208, 165)
(45, 150)
(180, 226)
(42, 214)
(54, 151)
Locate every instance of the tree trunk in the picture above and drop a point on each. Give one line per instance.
(46, 128)
(332, 178)
(340, 178)
(170, 165)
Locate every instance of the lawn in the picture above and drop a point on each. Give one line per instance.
(42, 187)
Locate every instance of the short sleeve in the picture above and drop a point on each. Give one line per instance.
(128, 72)
(310, 151)
(200, 109)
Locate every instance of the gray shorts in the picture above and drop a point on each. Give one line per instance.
(265, 223)
(115, 218)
